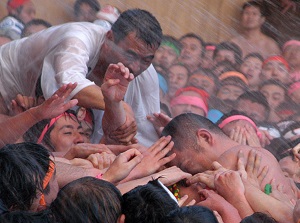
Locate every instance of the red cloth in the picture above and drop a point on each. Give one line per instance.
(14, 4)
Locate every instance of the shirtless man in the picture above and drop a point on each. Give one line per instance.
(251, 39)
(198, 142)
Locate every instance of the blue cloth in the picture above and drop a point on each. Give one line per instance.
(162, 83)
(214, 115)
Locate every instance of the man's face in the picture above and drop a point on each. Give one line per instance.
(254, 110)
(204, 82)
(229, 92)
(165, 56)
(251, 68)
(191, 53)
(66, 133)
(275, 95)
(132, 52)
(27, 13)
(252, 18)
(292, 55)
(276, 70)
(224, 55)
(177, 78)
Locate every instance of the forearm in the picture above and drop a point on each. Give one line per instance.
(229, 214)
(261, 202)
(91, 97)
(66, 173)
(13, 128)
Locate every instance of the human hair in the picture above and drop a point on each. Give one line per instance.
(274, 82)
(236, 81)
(142, 22)
(195, 36)
(94, 4)
(192, 214)
(172, 40)
(228, 66)
(33, 134)
(257, 4)
(255, 55)
(148, 203)
(258, 217)
(28, 217)
(34, 22)
(87, 199)
(255, 97)
(209, 73)
(231, 47)
(23, 167)
(182, 127)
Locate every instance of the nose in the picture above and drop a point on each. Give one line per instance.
(78, 138)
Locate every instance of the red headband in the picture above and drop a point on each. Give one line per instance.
(52, 121)
(277, 58)
(14, 4)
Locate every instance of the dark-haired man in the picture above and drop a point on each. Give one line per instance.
(74, 51)
(198, 142)
(251, 39)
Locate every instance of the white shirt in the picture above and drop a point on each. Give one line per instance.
(62, 54)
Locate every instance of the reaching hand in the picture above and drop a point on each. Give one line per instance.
(101, 160)
(171, 175)
(122, 166)
(155, 157)
(83, 150)
(159, 121)
(116, 80)
(21, 103)
(250, 171)
(208, 176)
(56, 105)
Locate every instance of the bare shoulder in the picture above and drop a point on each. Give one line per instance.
(230, 157)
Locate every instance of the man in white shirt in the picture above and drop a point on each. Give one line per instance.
(72, 52)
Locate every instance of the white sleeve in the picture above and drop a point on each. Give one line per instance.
(66, 63)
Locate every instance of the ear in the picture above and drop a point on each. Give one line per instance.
(204, 136)
(121, 219)
(110, 35)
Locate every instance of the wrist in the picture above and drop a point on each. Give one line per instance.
(36, 113)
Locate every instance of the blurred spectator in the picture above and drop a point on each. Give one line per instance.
(166, 55)
(254, 104)
(291, 53)
(251, 39)
(207, 60)
(276, 68)
(34, 26)
(223, 66)
(178, 75)
(275, 92)
(251, 68)
(107, 16)
(204, 79)
(86, 10)
(294, 92)
(232, 85)
(228, 51)
(189, 99)
(193, 48)
(20, 12)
